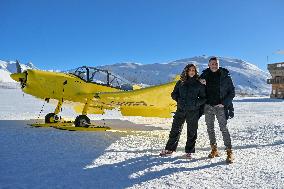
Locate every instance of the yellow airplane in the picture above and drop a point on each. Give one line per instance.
(92, 91)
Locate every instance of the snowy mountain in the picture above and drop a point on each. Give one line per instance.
(248, 78)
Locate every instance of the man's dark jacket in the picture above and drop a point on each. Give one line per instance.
(227, 90)
(189, 95)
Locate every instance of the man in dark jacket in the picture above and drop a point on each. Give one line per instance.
(220, 92)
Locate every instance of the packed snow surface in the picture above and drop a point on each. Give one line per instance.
(128, 155)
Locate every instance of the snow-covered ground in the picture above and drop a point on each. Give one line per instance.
(50, 158)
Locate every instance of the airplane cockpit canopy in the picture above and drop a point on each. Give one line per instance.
(102, 77)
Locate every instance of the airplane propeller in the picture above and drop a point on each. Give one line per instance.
(18, 66)
(20, 76)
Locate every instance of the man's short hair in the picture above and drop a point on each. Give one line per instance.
(213, 58)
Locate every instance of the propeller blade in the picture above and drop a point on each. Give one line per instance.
(18, 66)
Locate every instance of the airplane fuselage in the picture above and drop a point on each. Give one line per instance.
(54, 85)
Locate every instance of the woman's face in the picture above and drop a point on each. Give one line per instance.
(191, 71)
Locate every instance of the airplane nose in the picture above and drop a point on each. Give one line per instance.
(19, 77)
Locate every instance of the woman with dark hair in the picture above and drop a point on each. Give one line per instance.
(189, 94)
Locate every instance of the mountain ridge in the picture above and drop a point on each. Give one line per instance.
(247, 77)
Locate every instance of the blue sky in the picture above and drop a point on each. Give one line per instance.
(63, 34)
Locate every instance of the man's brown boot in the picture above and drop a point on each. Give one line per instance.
(230, 157)
(214, 151)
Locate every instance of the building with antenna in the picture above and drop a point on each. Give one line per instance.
(277, 81)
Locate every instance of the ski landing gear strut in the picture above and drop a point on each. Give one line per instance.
(80, 121)
(83, 120)
(53, 117)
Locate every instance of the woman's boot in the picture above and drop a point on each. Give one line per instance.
(214, 151)
(230, 157)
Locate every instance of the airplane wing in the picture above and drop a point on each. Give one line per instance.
(152, 101)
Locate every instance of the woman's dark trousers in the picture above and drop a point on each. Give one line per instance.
(191, 117)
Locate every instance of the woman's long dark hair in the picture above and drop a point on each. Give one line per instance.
(184, 75)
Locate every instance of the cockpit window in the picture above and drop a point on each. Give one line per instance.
(97, 76)
(82, 73)
(104, 77)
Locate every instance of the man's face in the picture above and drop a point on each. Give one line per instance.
(214, 65)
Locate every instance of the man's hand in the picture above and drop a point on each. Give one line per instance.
(220, 106)
(202, 81)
